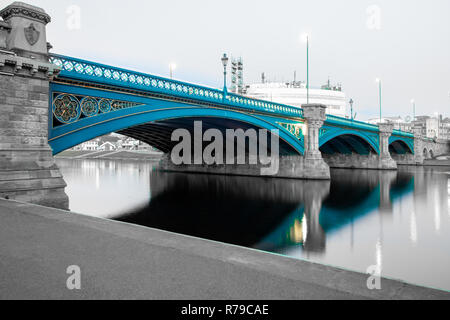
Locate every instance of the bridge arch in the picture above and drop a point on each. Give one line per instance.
(399, 145)
(125, 122)
(347, 142)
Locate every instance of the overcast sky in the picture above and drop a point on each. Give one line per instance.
(405, 43)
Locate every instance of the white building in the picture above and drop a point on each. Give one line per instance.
(91, 145)
(399, 123)
(432, 125)
(128, 143)
(107, 146)
(295, 94)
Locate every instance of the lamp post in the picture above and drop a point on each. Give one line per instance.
(379, 93)
(225, 63)
(306, 39)
(413, 102)
(172, 67)
(351, 108)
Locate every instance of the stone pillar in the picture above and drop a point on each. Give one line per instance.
(27, 168)
(418, 146)
(385, 159)
(314, 115)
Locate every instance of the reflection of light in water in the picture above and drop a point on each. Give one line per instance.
(304, 228)
(437, 211)
(379, 257)
(97, 179)
(413, 227)
(296, 232)
(448, 201)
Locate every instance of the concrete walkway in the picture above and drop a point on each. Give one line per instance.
(121, 261)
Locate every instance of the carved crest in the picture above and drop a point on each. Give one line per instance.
(31, 34)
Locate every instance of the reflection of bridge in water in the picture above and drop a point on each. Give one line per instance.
(267, 214)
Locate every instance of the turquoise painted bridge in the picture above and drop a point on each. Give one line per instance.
(89, 99)
(51, 103)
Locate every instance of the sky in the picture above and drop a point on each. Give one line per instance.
(404, 43)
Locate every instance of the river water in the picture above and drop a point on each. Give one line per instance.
(397, 222)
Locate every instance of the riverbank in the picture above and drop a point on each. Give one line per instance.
(442, 161)
(124, 261)
(111, 155)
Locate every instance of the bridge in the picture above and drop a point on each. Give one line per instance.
(51, 103)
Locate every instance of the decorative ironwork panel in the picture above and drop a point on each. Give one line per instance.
(69, 108)
(294, 128)
(66, 108)
(89, 106)
(104, 105)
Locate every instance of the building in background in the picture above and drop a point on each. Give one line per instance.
(430, 127)
(399, 123)
(113, 142)
(91, 145)
(295, 94)
(107, 146)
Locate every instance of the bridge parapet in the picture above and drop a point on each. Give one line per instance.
(331, 119)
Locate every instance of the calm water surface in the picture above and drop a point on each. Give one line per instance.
(399, 221)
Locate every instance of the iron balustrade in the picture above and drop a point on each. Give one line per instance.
(75, 68)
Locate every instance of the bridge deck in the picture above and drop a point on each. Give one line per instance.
(83, 70)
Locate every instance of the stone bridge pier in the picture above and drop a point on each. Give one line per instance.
(27, 168)
(315, 116)
(385, 160)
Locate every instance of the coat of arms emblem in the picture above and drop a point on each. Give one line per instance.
(31, 34)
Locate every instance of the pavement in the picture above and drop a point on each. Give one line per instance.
(124, 261)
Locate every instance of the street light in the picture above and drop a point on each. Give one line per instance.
(305, 38)
(378, 80)
(172, 66)
(225, 63)
(351, 108)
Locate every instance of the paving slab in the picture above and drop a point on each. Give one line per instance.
(124, 261)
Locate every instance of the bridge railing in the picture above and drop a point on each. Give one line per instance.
(401, 133)
(74, 68)
(351, 123)
(364, 125)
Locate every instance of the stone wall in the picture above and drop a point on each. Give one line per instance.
(27, 168)
(359, 161)
(405, 159)
(437, 148)
(295, 167)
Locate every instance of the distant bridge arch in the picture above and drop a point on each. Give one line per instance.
(400, 145)
(349, 141)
